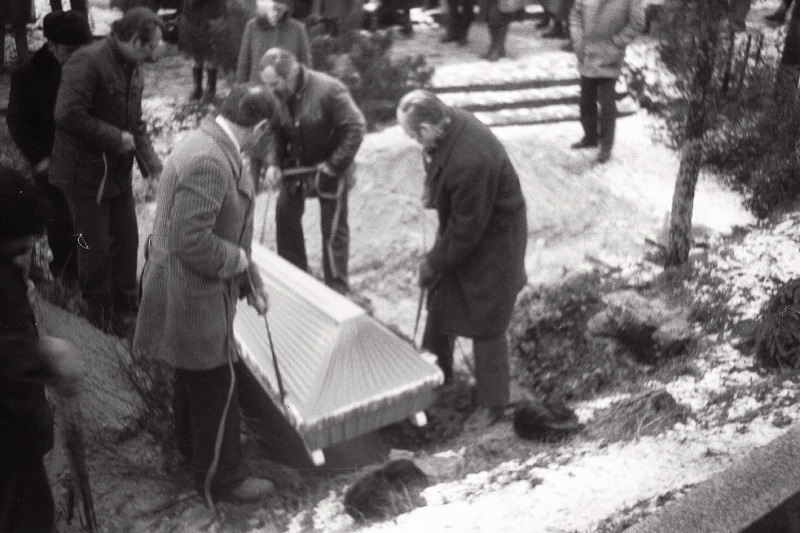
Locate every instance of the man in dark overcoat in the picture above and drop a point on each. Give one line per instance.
(323, 130)
(197, 269)
(475, 268)
(31, 102)
(99, 131)
(28, 361)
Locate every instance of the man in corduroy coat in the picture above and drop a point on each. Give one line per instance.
(476, 266)
(198, 267)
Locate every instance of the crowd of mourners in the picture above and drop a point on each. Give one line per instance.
(75, 113)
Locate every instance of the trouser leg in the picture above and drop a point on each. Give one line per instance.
(124, 252)
(26, 503)
(491, 371)
(436, 341)
(608, 112)
(588, 108)
(91, 226)
(452, 18)
(59, 229)
(207, 393)
(289, 210)
(181, 413)
(21, 40)
(467, 15)
(335, 242)
(80, 6)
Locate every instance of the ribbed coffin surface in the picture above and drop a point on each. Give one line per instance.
(344, 373)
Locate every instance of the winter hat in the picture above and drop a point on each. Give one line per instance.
(69, 28)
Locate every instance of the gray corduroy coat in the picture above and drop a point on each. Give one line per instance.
(189, 287)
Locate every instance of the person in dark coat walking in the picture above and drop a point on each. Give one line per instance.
(198, 268)
(28, 361)
(99, 131)
(460, 14)
(323, 130)
(31, 102)
(476, 267)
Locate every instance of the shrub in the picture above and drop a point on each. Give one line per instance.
(777, 331)
(362, 61)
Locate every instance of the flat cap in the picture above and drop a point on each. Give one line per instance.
(67, 27)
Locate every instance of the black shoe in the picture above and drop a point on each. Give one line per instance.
(778, 17)
(462, 41)
(583, 143)
(604, 155)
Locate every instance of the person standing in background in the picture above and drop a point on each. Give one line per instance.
(272, 27)
(31, 102)
(601, 30)
(194, 39)
(99, 132)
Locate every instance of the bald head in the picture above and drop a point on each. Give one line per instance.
(423, 116)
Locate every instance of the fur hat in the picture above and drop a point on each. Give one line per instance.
(67, 27)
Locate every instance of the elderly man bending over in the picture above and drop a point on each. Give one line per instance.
(476, 266)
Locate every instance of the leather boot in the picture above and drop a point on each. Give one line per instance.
(197, 76)
(211, 87)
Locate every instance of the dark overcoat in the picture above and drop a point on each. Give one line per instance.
(479, 253)
(203, 218)
(31, 101)
(100, 96)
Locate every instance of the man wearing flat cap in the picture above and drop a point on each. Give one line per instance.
(31, 102)
(198, 267)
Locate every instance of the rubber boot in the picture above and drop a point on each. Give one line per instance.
(211, 87)
(197, 75)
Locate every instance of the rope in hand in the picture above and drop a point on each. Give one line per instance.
(278, 377)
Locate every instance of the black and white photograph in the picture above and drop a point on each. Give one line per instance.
(402, 266)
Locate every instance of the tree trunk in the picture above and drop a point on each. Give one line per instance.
(789, 71)
(680, 226)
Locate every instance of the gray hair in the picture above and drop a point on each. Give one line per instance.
(420, 106)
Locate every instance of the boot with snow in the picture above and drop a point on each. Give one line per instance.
(197, 75)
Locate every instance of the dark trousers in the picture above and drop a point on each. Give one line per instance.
(108, 246)
(492, 372)
(199, 401)
(77, 5)
(289, 211)
(460, 16)
(26, 503)
(598, 92)
(60, 235)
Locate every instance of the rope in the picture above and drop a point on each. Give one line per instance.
(337, 213)
(212, 469)
(278, 377)
(102, 187)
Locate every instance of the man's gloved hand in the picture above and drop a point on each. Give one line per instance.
(426, 275)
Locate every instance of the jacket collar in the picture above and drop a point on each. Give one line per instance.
(437, 157)
(244, 181)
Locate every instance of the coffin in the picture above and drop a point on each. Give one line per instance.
(344, 374)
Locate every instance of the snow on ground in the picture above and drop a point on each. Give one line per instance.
(734, 408)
